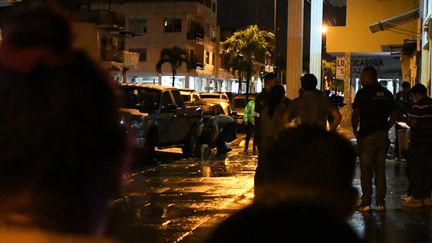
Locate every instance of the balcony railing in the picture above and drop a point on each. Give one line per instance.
(103, 18)
(193, 35)
(128, 59)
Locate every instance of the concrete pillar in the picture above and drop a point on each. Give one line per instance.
(347, 109)
(187, 85)
(316, 39)
(294, 47)
(425, 67)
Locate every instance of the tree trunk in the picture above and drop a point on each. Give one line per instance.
(248, 77)
(240, 84)
(173, 81)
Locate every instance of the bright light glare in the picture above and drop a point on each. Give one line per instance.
(323, 29)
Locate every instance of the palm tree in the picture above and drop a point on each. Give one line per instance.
(175, 56)
(245, 47)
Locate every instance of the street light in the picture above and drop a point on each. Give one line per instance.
(323, 29)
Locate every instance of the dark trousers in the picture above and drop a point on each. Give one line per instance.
(420, 169)
(249, 132)
(373, 153)
(227, 134)
(259, 174)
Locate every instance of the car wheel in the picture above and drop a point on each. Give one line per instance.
(149, 147)
(190, 146)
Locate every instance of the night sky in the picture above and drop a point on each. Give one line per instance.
(241, 13)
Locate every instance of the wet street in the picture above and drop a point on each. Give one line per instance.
(182, 200)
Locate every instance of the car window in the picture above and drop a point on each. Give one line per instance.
(186, 98)
(166, 99)
(178, 98)
(141, 99)
(210, 96)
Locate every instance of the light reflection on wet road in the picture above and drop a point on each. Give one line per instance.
(183, 199)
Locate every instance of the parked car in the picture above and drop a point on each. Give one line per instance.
(190, 97)
(226, 106)
(221, 96)
(238, 104)
(158, 118)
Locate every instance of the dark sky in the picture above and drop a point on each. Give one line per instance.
(237, 14)
(241, 13)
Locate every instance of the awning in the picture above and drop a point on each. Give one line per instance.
(395, 21)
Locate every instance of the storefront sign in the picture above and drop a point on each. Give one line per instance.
(357, 64)
(340, 68)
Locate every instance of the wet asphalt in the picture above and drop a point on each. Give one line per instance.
(182, 200)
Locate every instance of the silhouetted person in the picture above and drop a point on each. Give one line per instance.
(405, 102)
(376, 110)
(261, 101)
(313, 108)
(274, 118)
(420, 149)
(307, 192)
(61, 144)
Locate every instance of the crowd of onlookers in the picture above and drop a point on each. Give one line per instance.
(63, 151)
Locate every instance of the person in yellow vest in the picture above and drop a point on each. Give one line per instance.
(249, 119)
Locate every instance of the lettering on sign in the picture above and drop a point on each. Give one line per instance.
(340, 68)
(357, 64)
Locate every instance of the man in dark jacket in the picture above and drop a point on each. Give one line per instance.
(376, 110)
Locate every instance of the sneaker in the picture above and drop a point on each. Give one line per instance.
(364, 208)
(427, 201)
(412, 203)
(380, 207)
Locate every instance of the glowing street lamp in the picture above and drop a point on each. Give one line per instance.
(323, 29)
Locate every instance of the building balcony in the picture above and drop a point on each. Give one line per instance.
(126, 58)
(102, 18)
(193, 35)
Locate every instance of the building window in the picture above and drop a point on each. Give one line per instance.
(213, 58)
(172, 25)
(142, 53)
(207, 57)
(214, 7)
(138, 25)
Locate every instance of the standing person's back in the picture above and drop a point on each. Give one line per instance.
(312, 108)
(261, 102)
(274, 117)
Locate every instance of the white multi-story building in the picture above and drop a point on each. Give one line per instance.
(188, 24)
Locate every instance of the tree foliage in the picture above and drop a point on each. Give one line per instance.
(175, 56)
(243, 49)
